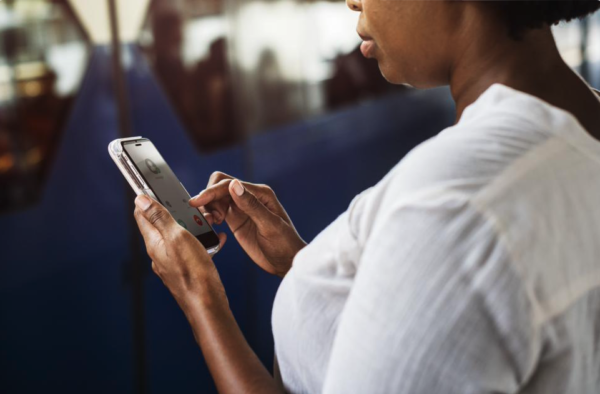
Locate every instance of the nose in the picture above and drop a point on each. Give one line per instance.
(354, 5)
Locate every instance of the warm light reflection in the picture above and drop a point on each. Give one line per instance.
(30, 70)
(34, 156)
(32, 89)
(7, 162)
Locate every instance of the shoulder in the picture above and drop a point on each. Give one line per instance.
(495, 138)
(467, 157)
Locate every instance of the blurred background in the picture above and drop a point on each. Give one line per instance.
(272, 91)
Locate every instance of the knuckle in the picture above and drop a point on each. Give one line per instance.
(266, 188)
(267, 191)
(224, 181)
(253, 203)
(216, 177)
(156, 215)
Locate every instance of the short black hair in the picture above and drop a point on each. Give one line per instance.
(522, 15)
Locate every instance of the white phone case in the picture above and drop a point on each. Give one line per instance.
(115, 150)
(135, 180)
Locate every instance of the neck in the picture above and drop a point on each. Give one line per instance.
(528, 65)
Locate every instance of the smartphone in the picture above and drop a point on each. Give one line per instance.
(149, 174)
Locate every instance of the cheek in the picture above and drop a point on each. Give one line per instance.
(408, 36)
(394, 36)
(397, 58)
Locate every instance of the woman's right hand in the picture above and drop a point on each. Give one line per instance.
(256, 219)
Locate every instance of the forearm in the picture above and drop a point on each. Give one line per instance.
(234, 366)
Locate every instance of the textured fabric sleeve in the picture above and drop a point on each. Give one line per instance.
(436, 307)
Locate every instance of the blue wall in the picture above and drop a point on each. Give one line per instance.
(65, 294)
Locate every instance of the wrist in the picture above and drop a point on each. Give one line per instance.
(204, 306)
(205, 293)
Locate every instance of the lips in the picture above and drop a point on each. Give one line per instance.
(366, 48)
(364, 37)
(368, 45)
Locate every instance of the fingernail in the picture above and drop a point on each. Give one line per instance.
(216, 215)
(238, 188)
(143, 202)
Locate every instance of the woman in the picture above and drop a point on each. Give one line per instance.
(472, 267)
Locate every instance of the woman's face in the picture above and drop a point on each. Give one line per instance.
(411, 40)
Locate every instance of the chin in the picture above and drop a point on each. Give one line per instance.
(396, 79)
(392, 77)
(391, 74)
(396, 76)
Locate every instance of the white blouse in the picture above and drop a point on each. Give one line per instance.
(472, 267)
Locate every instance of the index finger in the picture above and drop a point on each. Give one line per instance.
(217, 177)
(212, 193)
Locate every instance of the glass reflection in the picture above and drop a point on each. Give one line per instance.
(355, 78)
(233, 68)
(42, 59)
(316, 47)
(240, 67)
(187, 46)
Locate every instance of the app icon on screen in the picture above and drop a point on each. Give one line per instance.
(198, 220)
(182, 223)
(152, 167)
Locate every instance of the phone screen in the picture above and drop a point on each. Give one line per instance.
(168, 190)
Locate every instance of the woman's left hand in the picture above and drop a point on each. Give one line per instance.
(178, 258)
(187, 270)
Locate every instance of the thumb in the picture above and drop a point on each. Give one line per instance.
(250, 205)
(156, 214)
